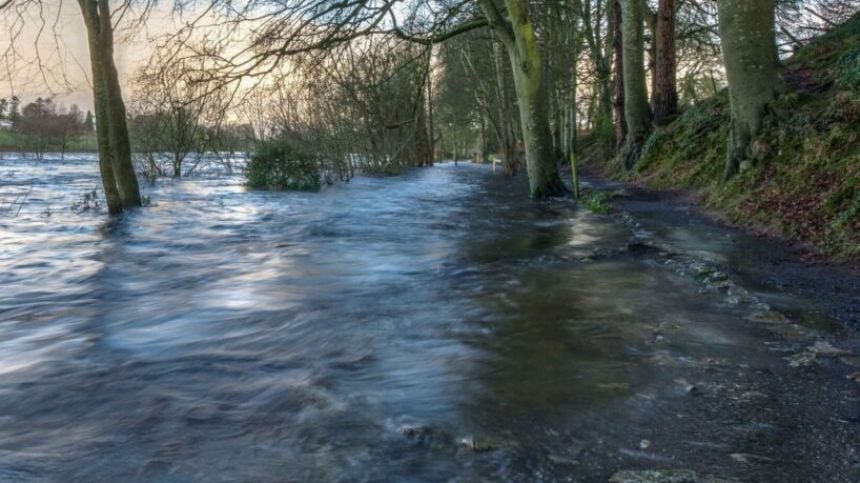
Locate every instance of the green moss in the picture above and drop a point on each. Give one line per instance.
(803, 177)
(848, 69)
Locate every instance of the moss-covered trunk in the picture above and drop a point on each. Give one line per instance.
(749, 48)
(523, 49)
(664, 98)
(637, 112)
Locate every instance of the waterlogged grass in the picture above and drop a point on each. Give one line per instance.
(597, 202)
(802, 180)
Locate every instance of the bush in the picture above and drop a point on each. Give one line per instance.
(598, 202)
(280, 165)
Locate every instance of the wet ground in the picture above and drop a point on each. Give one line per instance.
(435, 326)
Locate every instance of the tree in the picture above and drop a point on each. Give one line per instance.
(115, 164)
(14, 113)
(518, 35)
(637, 112)
(331, 24)
(664, 98)
(4, 104)
(46, 126)
(89, 122)
(618, 101)
(748, 36)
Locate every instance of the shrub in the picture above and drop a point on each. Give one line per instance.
(598, 202)
(280, 165)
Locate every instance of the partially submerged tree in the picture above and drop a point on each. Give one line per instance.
(117, 170)
(518, 35)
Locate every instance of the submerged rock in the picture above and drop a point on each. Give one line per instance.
(664, 476)
(810, 355)
(826, 349)
(655, 476)
(481, 444)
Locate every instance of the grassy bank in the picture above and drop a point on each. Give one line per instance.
(803, 181)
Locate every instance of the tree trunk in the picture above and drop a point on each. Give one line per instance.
(126, 180)
(664, 99)
(748, 38)
(618, 102)
(90, 13)
(510, 161)
(524, 54)
(637, 112)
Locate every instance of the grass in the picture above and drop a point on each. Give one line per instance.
(10, 141)
(803, 182)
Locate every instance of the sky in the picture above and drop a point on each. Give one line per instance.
(51, 57)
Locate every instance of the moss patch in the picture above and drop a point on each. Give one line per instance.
(803, 179)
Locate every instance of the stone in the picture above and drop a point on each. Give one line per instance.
(802, 359)
(655, 476)
(480, 445)
(826, 349)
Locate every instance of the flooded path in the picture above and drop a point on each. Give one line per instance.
(435, 326)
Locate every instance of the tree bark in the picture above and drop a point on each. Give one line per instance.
(126, 180)
(618, 101)
(89, 11)
(748, 38)
(523, 49)
(664, 98)
(510, 160)
(637, 112)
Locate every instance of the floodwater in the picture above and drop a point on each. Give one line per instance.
(435, 326)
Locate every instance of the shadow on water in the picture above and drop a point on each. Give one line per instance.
(428, 327)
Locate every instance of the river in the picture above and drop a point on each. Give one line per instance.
(435, 326)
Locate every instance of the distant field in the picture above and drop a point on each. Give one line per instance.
(12, 142)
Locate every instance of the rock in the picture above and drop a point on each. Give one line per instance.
(802, 359)
(644, 444)
(810, 355)
(826, 349)
(770, 317)
(480, 445)
(854, 376)
(640, 246)
(685, 386)
(655, 476)
(747, 458)
(416, 431)
(614, 386)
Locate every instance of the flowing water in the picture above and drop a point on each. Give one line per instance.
(435, 326)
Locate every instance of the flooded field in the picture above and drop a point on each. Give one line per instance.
(436, 326)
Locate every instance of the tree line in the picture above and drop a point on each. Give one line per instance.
(377, 83)
(43, 125)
